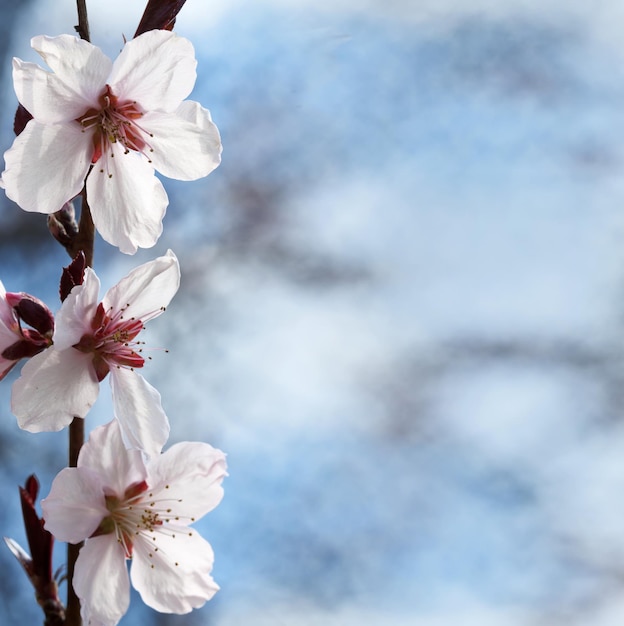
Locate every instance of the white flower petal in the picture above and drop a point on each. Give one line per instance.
(44, 95)
(101, 581)
(7, 338)
(186, 144)
(75, 505)
(54, 387)
(193, 473)
(144, 425)
(146, 289)
(74, 317)
(157, 69)
(46, 166)
(7, 314)
(82, 66)
(6, 366)
(9, 334)
(127, 207)
(105, 454)
(176, 578)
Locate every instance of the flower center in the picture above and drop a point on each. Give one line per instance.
(115, 121)
(112, 341)
(139, 515)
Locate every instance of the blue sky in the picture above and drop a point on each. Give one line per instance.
(400, 312)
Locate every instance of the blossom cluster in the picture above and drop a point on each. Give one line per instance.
(99, 129)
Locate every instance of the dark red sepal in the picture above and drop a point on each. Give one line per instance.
(101, 367)
(72, 275)
(23, 349)
(22, 117)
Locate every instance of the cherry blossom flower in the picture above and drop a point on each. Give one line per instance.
(91, 340)
(113, 124)
(17, 342)
(128, 509)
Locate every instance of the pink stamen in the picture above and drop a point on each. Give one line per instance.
(115, 121)
(112, 341)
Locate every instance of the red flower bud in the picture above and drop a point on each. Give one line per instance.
(33, 312)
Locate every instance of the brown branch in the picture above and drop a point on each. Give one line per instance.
(83, 22)
(84, 241)
(72, 610)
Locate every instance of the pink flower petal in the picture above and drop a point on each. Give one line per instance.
(46, 97)
(83, 67)
(57, 157)
(74, 317)
(101, 581)
(193, 473)
(54, 387)
(129, 205)
(186, 145)
(7, 337)
(176, 578)
(144, 425)
(146, 289)
(75, 506)
(7, 315)
(157, 69)
(105, 454)
(9, 328)
(6, 366)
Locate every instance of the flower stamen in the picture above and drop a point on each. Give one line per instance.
(115, 121)
(138, 514)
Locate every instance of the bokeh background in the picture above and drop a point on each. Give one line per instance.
(401, 315)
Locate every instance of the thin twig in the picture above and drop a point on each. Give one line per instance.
(83, 22)
(85, 242)
(72, 609)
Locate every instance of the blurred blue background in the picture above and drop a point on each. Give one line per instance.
(401, 311)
